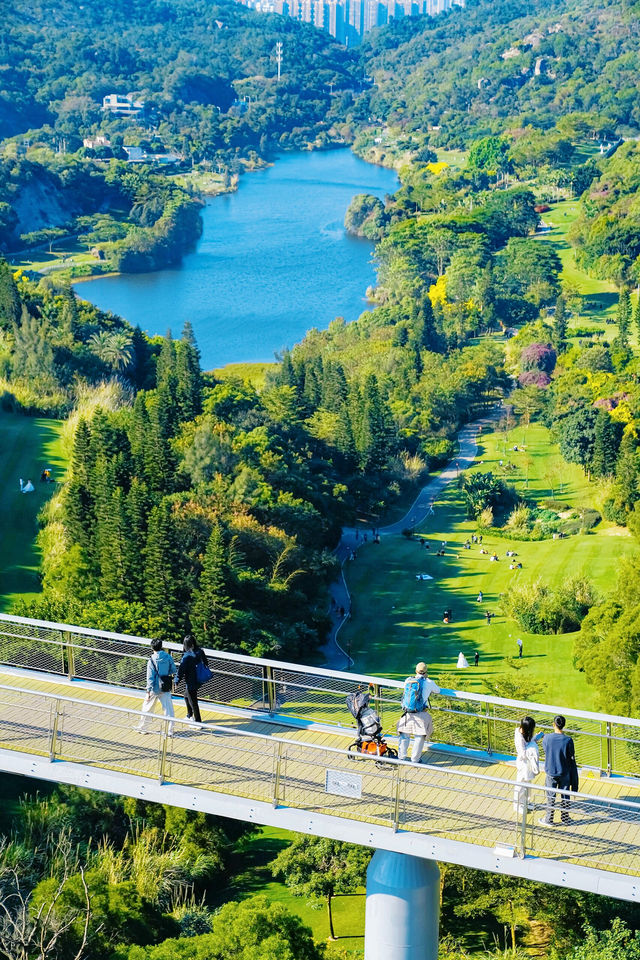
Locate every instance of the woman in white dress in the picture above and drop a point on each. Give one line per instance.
(527, 761)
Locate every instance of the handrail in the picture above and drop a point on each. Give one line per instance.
(213, 726)
(323, 672)
(76, 737)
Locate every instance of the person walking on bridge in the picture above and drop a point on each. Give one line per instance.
(161, 670)
(188, 671)
(416, 721)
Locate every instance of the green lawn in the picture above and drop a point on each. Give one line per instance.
(599, 297)
(253, 856)
(65, 255)
(455, 158)
(397, 619)
(254, 373)
(28, 444)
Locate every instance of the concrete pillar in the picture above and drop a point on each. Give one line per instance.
(403, 908)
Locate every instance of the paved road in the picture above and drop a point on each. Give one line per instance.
(335, 657)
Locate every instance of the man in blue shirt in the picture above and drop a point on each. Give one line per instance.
(559, 760)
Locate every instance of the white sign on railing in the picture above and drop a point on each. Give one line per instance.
(343, 784)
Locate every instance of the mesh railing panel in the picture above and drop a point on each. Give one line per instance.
(32, 647)
(308, 694)
(26, 721)
(446, 803)
(236, 684)
(604, 832)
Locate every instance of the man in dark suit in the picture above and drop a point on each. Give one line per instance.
(559, 762)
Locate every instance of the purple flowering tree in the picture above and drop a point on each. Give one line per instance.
(538, 356)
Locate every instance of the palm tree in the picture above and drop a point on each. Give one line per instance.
(112, 348)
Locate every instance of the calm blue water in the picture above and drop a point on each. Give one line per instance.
(274, 260)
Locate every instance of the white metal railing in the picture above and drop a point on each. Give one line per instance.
(608, 743)
(424, 799)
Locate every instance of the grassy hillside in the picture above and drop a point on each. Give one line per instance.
(28, 445)
(599, 297)
(397, 619)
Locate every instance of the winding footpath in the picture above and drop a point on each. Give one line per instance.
(335, 657)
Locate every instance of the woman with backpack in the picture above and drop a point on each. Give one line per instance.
(190, 670)
(416, 721)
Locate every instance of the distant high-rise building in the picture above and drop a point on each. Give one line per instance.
(349, 20)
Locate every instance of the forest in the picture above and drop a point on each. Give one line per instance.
(61, 60)
(217, 108)
(507, 68)
(212, 504)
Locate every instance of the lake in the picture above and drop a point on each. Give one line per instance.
(274, 260)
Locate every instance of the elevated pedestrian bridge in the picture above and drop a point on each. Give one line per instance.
(273, 750)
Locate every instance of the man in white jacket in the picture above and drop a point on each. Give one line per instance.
(161, 670)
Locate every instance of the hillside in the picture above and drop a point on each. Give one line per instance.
(187, 61)
(493, 68)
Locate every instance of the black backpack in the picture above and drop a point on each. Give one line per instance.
(166, 679)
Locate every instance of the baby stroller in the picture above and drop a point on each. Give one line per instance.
(370, 741)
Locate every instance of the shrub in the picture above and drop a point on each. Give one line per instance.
(439, 450)
(538, 608)
(519, 518)
(614, 511)
(589, 517)
(485, 520)
(482, 490)
(545, 516)
(534, 378)
(557, 505)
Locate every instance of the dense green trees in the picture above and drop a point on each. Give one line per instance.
(366, 217)
(59, 77)
(252, 930)
(467, 77)
(608, 645)
(320, 868)
(606, 234)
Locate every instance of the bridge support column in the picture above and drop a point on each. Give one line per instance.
(403, 908)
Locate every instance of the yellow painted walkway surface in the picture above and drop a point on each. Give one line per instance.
(449, 795)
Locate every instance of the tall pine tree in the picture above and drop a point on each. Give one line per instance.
(161, 569)
(605, 445)
(115, 555)
(376, 435)
(189, 378)
(636, 318)
(78, 504)
(140, 435)
(137, 516)
(212, 612)
(10, 305)
(140, 366)
(167, 380)
(334, 387)
(623, 318)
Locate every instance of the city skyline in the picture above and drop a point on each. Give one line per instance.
(348, 20)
